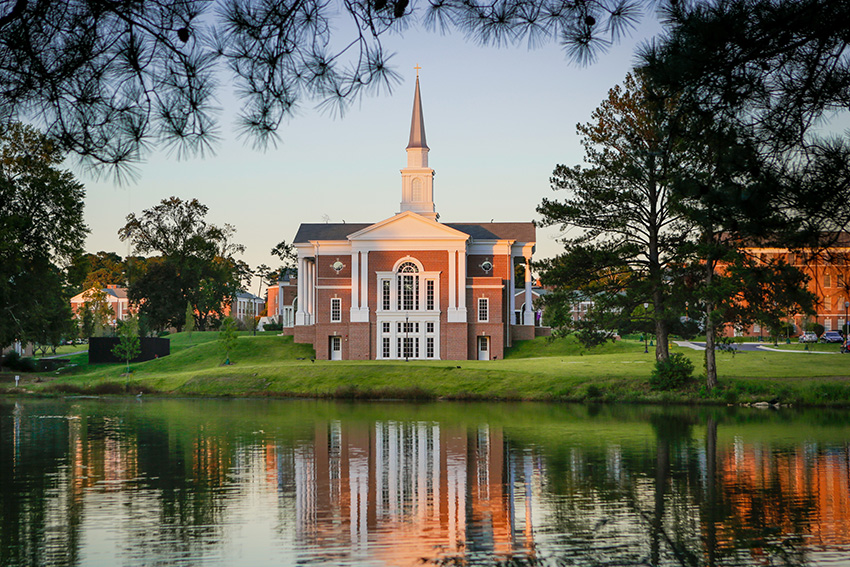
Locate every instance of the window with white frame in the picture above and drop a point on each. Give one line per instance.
(407, 292)
(429, 347)
(429, 295)
(483, 309)
(386, 347)
(827, 280)
(385, 295)
(336, 310)
(429, 327)
(386, 326)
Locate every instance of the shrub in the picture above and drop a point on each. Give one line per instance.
(673, 373)
(272, 327)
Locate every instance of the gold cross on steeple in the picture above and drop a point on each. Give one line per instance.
(417, 70)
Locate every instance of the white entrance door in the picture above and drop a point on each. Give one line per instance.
(483, 348)
(336, 348)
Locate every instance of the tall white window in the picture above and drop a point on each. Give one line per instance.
(385, 295)
(408, 287)
(429, 295)
(416, 190)
(483, 309)
(336, 310)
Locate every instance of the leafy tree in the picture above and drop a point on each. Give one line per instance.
(630, 232)
(41, 225)
(129, 344)
(196, 263)
(777, 71)
(228, 337)
(189, 324)
(106, 78)
(95, 313)
(96, 270)
(764, 77)
(289, 256)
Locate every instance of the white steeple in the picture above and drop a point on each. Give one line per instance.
(417, 179)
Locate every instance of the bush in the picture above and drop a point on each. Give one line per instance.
(13, 361)
(675, 372)
(272, 327)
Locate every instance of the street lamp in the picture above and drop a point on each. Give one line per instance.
(846, 305)
(645, 349)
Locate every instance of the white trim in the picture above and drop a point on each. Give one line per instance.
(338, 300)
(340, 286)
(481, 286)
(478, 312)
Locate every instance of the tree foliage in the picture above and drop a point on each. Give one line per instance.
(196, 264)
(129, 343)
(228, 337)
(762, 77)
(110, 80)
(629, 230)
(41, 226)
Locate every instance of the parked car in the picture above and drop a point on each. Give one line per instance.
(808, 337)
(831, 337)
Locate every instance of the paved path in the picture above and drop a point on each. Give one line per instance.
(750, 347)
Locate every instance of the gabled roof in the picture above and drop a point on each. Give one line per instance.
(408, 225)
(519, 231)
(327, 231)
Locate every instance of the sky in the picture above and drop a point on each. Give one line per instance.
(498, 121)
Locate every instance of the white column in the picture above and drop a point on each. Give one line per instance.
(301, 313)
(364, 283)
(314, 281)
(452, 280)
(528, 314)
(355, 280)
(512, 297)
(461, 277)
(360, 288)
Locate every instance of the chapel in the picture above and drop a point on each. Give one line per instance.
(409, 286)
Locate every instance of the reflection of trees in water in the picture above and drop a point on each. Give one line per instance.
(39, 517)
(649, 485)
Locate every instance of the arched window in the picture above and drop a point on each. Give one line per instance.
(407, 291)
(416, 190)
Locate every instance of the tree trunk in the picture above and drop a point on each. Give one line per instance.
(662, 331)
(710, 359)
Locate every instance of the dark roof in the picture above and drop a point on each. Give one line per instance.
(519, 231)
(327, 231)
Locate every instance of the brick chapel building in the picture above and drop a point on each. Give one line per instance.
(409, 286)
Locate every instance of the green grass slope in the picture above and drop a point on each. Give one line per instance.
(542, 369)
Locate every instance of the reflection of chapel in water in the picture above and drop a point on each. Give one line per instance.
(428, 487)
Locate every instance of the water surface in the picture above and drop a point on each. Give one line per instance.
(260, 482)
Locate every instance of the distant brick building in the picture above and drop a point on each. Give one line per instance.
(114, 295)
(829, 280)
(410, 287)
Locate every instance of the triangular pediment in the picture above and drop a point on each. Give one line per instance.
(408, 226)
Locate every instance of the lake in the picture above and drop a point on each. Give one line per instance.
(160, 482)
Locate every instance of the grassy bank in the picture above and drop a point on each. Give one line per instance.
(269, 365)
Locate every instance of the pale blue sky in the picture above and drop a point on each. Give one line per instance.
(497, 122)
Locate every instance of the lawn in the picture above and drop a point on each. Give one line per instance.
(542, 369)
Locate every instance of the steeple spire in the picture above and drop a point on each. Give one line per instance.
(417, 179)
(417, 121)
